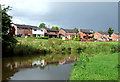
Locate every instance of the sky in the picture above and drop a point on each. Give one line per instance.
(88, 14)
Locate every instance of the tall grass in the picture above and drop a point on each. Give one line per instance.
(34, 46)
(99, 67)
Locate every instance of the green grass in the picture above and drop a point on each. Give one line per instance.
(99, 67)
(33, 45)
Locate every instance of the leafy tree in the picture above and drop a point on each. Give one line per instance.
(55, 27)
(110, 31)
(42, 25)
(61, 28)
(8, 41)
(76, 29)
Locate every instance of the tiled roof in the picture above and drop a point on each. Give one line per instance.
(51, 30)
(26, 26)
(104, 33)
(86, 30)
(70, 30)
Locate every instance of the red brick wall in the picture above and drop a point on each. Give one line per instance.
(66, 34)
(62, 32)
(24, 31)
(97, 36)
(114, 37)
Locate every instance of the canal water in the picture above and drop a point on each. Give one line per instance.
(26, 69)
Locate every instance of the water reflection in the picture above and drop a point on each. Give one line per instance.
(37, 69)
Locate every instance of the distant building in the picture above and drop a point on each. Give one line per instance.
(51, 33)
(104, 36)
(68, 33)
(27, 30)
(86, 33)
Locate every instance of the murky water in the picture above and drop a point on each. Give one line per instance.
(26, 69)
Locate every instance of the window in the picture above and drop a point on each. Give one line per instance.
(35, 29)
(20, 28)
(26, 34)
(41, 30)
(28, 29)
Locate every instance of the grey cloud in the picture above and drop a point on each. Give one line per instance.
(93, 15)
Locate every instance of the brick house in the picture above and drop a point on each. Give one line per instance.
(51, 33)
(86, 33)
(115, 36)
(67, 33)
(102, 36)
(25, 30)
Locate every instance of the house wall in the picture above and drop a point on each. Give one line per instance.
(67, 34)
(45, 31)
(24, 31)
(62, 32)
(37, 32)
(97, 36)
(83, 34)
(15, 27)
(114, 37)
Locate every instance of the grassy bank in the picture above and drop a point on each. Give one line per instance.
(31, 46)
(99, 67)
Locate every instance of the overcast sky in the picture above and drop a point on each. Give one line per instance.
(84, 15)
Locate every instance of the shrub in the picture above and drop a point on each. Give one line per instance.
(43, 37)
(114, 48)
(72, 37)
(60, 37)
(75, 39)
(94, 39)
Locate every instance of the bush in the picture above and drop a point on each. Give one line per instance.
(60, 37)
(114, 48)
(75, 39)
(94, 39)
(43, 37)
(72, 37)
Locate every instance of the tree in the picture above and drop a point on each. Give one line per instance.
(55, 27)
(61, 28)
(42, 25)
(8, 41)
(75, 29)
(110, 31)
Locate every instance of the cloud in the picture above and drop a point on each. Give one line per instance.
(65, 14)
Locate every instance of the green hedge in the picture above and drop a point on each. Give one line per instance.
(43, 37)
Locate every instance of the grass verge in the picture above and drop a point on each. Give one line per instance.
(98, 67)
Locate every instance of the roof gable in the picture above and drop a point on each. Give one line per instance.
(70, 30)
